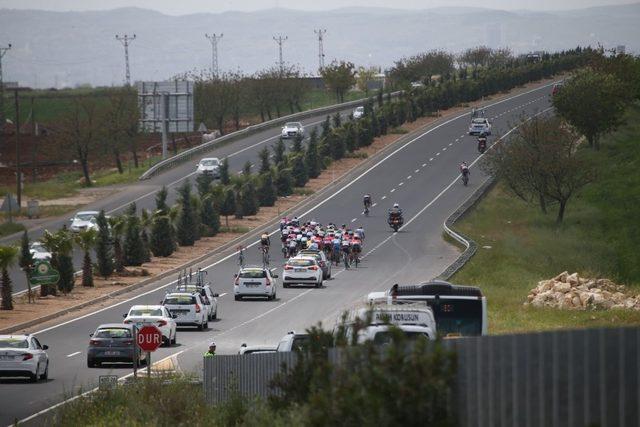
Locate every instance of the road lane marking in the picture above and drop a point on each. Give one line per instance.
(383, 197)
(354, 220)
(451, 143)
(392, 190)
(409, 177)
(325, 200)
(444, 149)
(401, 184)
(416, 171)
(74, 354)
(424, 164)
(438, 153)
(374, 205)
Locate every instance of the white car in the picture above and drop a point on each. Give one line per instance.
(257, 349)
(39, 252)
(358, 113)
(188, 308)
(23, 356)
(210, 166)
(293, 341)
(156, 315)
(209, 298)
(84, 220)
(480, 125)
(302, 270)
(292, 129)
(254, 281)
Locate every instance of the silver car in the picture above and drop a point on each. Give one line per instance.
(321, 258)
(291, 130)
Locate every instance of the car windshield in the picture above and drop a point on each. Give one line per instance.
(38, 248)
(292, 125)
(253, 274)
(301, 262)
(113, 333)
(13, 343)
(478, 121)
(317, 256)
(145, 312)
(360, 109)
(209, 162)
(85, 216)
(180, 300)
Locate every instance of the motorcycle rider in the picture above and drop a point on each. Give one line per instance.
(367, 201)
(482, 142)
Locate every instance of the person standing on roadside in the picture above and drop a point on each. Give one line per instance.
(212, 350)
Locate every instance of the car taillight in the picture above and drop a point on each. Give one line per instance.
(268, 282)
(197, 308)
(27, 356)
(94, 342)
(288, 267)
(162, 322)
(126, 322)
(313, 267)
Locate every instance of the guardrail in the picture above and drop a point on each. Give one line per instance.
(208, 146)
(558, 378)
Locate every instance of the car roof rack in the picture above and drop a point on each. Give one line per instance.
(436, 287)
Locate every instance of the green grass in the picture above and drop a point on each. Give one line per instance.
(597, 238)
(62, 185)
(8, 228)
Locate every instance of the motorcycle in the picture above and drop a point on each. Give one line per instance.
(395, 222)
(482, 145)
(465, 178)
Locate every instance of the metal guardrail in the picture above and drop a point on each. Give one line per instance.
(558, 378)
(208, 146)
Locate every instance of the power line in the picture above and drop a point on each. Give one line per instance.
(125, 40)
(213, 38)
(320, 33)
(280, 40)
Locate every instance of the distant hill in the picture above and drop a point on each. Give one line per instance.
(69, 48)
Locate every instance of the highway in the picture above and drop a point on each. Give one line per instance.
(143, 193)
(420, 173)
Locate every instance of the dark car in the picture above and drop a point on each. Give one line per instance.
(113, 343)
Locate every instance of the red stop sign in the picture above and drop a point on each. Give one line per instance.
(149, 338)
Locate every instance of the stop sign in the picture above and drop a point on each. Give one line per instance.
(149, 338)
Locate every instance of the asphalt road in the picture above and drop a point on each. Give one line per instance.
(143, 192)
(421, 175)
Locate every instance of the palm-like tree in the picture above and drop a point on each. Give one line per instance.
(60, 244)
(86, 240)
(8, 256)
(118, 224)
(51, 242)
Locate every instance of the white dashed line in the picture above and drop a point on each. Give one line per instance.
(417, 170)
(400, 185)
(444, 149)
(450, 144)
(457, 139)
(74, 354)
(392, 190)
(354, 220)
(424, 164)
(438, 153)
(383, 197)
(374, 205)
(409, 177)
(431, 159)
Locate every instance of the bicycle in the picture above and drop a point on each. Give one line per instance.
(240, 256)
(264, 249)
(355, 259)
(345, 258)
(366, 210)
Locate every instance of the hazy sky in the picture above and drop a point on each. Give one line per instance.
(181, 7)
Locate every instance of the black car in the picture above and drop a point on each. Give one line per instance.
(113, 343)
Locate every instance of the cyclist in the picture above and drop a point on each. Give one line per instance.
(360, 232)
(464, 170)
(292, 248)
(356, 249)
(240, 250)
(265, 241)
(346, 252)
(336, 249)
(367, 202)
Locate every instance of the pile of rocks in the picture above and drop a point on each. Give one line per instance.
(568, 291)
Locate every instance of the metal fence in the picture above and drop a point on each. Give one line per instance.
(562, 378)
(179, 158)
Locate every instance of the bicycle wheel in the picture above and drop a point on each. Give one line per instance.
(357, 260)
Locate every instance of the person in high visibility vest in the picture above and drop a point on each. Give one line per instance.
(212, 350)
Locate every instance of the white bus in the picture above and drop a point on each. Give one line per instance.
(458, 310)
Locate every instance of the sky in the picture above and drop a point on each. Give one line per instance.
(182, 7)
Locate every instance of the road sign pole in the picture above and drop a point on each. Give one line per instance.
(135, 352)
(148, 364)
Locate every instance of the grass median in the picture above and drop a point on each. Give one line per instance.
(519, 246)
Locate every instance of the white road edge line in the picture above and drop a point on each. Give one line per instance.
(74, 354)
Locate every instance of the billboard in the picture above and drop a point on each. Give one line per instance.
(178, 105)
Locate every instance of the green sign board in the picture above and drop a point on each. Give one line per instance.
(43, 274)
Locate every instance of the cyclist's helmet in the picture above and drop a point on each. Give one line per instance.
(395, 205)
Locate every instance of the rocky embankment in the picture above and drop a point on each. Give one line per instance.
(569, 291)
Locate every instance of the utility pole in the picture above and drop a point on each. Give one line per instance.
(3, 50)
(213, 38)
(125, 40)
(18, 171)
(320, 33)
(280, 40)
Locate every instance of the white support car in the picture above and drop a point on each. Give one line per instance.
(302, 270)
(415, 320)
(292, 130)
(209, 298)
(23, 356)
(156, 315)
(188, 308)
(83, 221)
(358, 113)
(256, 349)
(480, 125)
(292, 342)
(254, 281)
(209, 166)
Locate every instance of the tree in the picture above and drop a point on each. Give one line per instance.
(299, 171)
(104, 246)
(79, 129)
(203, 184)
(337, 120)
(86, 240)
(8, 255)
(161, 200)
(539, 164)
(26, 262)
(297, 144)
(422, 66)
(134, 253)
(249, 199)
(267, 193)
(246, 169)
(593, 103)
(117, 225)
(64, 250)
(265, 163)
(188, 222)
(121, 124)
(326, 127)
(228, 206)
(209, 217)
(284, 182)
(278, 152)
(364, 76)
(162, 243)
(312, 159)
(225, 179)
(145, 224)
(339, 77)
(475, 57)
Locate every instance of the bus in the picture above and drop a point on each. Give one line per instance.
(458, 310)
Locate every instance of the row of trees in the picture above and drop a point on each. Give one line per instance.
(541, 163)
